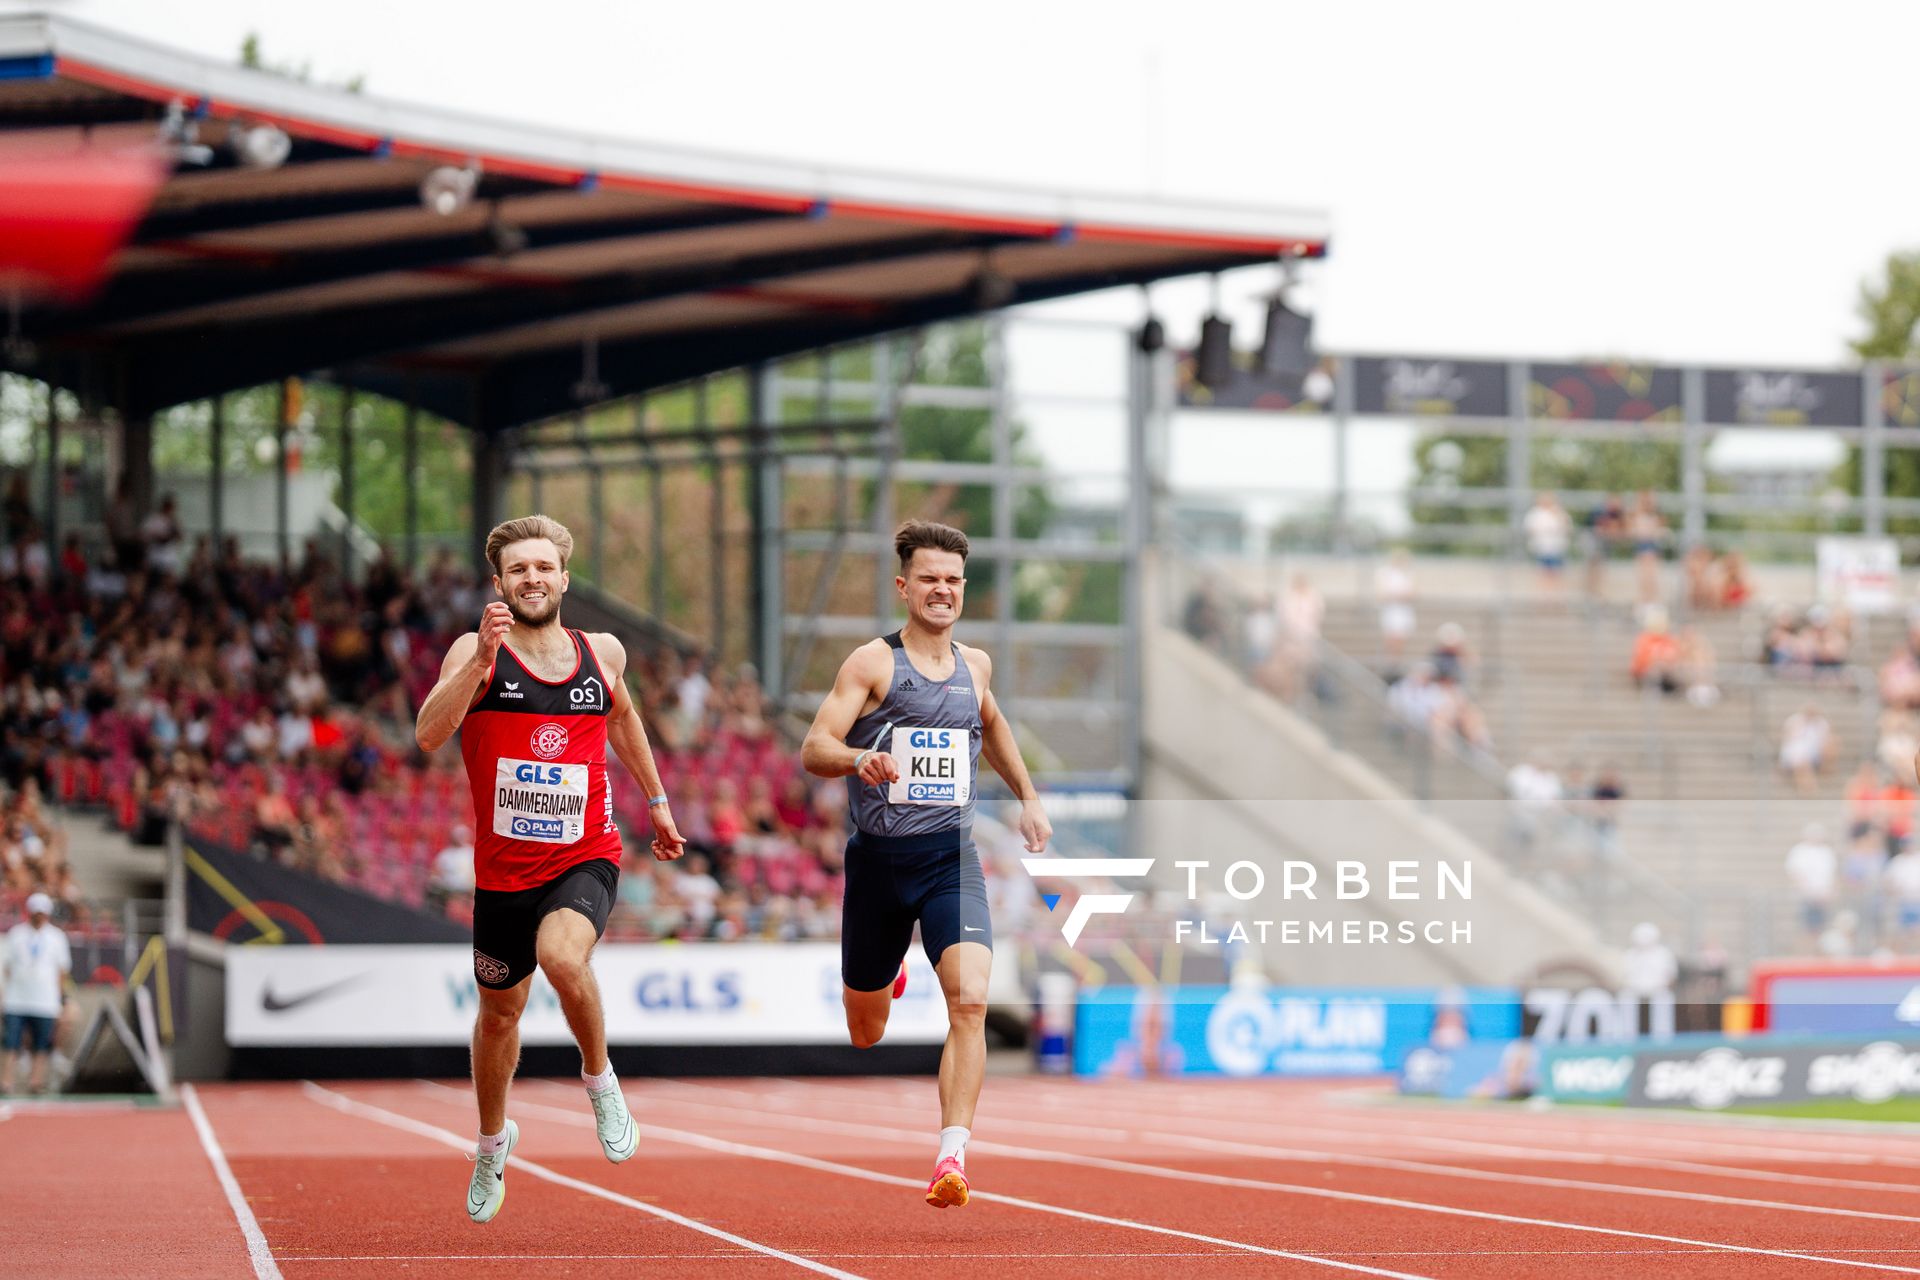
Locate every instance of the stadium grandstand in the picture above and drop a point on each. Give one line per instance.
(1384, 741)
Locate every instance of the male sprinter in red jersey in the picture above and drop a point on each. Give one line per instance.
(909, 717)
(536, 706)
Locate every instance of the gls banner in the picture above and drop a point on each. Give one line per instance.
(718, 993)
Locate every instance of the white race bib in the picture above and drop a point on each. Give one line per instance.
(539, 800)
(933, 767)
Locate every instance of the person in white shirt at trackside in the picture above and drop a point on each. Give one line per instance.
(909, 717)
(39, 968)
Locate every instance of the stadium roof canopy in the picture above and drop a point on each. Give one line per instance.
(674, 263)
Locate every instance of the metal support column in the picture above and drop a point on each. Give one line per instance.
(410, 486)
(716, 530)
(51, 514)
(280, 537)
(596, 503)
(1342, 455)
(346, 481)
(1003, 502)
(888, 450)
(136, 460)
(1693, 458)
(1138, 521)
(217, 476)
(489, 462)
(1873, 454)
(1519, 455)
(766, 505)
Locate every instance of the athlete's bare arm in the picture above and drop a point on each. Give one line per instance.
(862, 683)
(1003, 753)
(461, 676)
(628, 738)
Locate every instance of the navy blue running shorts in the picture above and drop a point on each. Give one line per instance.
(891, 883)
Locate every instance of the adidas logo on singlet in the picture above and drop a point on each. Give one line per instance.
(907, 684)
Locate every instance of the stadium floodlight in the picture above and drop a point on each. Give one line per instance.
(504, 237)
(1286, 349)
(991, 290)
(180, 134)
(259, 146)
(447, 190)
(1213, 361)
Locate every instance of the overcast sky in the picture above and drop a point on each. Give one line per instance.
(1668, 181)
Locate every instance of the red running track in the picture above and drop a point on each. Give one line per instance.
(1072, 1178)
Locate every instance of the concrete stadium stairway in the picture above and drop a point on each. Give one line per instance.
(1707, 811)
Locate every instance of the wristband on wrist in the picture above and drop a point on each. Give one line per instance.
(654, 802)
(861, 759)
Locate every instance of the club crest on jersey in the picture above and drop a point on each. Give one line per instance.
(487, 969)
(549, 741)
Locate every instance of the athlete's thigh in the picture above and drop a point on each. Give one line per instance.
(876, 927)
(953, 906)
(573, 912)
(503, 935)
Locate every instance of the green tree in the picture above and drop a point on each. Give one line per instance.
(1890, 308)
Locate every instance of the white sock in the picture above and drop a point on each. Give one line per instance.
(953, 1142)
(492, 1144)
(602, 1082)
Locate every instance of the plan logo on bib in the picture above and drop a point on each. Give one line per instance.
(549, 741)
(1087, 905)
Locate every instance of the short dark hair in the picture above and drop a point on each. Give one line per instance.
(915, 534)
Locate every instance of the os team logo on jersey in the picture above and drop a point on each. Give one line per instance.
(549, 741)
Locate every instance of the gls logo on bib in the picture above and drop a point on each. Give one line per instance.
(934, 767)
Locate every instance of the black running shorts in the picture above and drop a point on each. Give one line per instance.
(934, 879)
(506, 922)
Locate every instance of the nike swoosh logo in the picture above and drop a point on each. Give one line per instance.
(970, 929)
(273, 1003)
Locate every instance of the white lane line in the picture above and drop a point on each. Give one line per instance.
(1321, 1156)
(702, 1141)
(739, 1255)
(264, 1267)
(340, 1102)
(1255, 1184)
(1694, 1132)
(1346, 1138)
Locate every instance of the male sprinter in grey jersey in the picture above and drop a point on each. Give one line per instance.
(909, 716)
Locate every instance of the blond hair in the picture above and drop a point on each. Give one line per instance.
(508, 532)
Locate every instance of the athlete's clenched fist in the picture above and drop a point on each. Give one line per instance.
(495, 622)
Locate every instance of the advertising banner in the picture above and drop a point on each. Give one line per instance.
(1254, 1031)
(705, 994)
(1754, 1072)
(1861, 573)
(1604, 392)
(1417, 386)
(1813, 997)
(237, 897)
(1586, 1072)
(1784, 398)
(1477, 1069)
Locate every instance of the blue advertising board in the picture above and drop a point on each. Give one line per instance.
(1844, 1004)
(1477, 1069)
(1298, 1031)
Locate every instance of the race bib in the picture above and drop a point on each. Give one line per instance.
(538, 800)
(933, 767)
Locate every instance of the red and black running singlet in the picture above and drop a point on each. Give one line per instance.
(536, 755)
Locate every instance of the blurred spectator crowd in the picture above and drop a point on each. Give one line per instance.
(275, 712)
